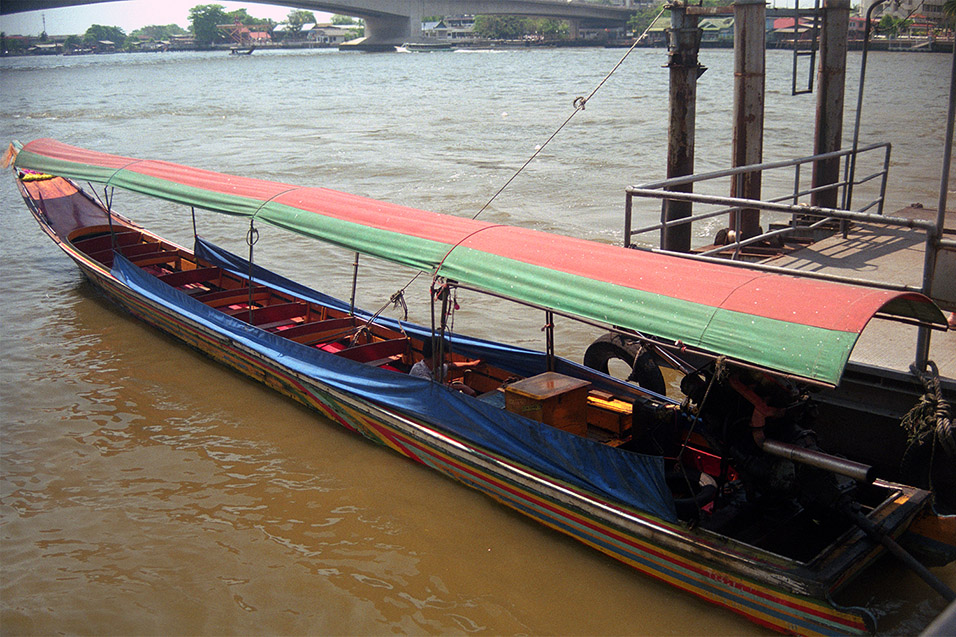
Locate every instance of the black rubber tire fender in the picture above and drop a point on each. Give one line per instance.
(644, 369)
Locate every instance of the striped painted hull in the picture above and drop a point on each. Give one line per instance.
(669, 553)
(773, 591)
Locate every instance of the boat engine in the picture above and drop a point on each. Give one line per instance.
(763, 426)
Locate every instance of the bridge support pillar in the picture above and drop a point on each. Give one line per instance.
(384, 33)
(416, 12)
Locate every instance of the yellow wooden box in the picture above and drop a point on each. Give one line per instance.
(609, 414)
(551, 398)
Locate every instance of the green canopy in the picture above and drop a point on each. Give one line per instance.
(789, 324)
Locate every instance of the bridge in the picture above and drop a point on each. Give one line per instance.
(394, 22)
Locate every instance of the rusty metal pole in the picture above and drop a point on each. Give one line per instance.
(749, 79)
(932, 247)
(831, 79)
(684, 70)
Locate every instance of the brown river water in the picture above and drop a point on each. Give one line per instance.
(146, 490)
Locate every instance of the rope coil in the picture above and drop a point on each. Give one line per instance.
(928, 425)
(932, 413)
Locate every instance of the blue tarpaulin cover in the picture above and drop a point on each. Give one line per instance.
(610, 474)
(516, 360)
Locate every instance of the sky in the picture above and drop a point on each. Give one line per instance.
(128, 15)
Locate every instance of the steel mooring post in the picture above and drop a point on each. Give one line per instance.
(684, 70)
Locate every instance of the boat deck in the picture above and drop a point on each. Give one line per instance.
(890, 254)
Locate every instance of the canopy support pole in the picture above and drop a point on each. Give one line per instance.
(431, 294)
(192, 209)
(251, 238)
(439, 369)
(549, 338)
(109, 217)
(355, 267)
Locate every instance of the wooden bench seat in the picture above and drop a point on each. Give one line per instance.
(156, 257)
(319, 331)
(188, 277)
(128, 244)
(102, 242)
(271, 313)
(103, 256)
(225, 298)
(137, 249)
(378, 353)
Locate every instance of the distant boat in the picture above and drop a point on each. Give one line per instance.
(424, 47)
(242, 51)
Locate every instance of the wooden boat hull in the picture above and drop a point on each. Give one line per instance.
(773, 591)
(554, 507)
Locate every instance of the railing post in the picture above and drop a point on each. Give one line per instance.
(628, 212)
(884, 177)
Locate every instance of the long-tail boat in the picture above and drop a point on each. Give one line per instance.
(725, 495)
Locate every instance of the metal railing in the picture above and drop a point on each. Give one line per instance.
(803, 218)
(821, 215)
(798, 193)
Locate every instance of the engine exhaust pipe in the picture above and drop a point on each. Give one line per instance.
(857, 471)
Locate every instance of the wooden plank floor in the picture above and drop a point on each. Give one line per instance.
(888, 254)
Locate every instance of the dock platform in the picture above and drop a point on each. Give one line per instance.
(892, 255)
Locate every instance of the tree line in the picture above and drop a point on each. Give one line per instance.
(205, 19)
(204, 22)
(889, 24)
